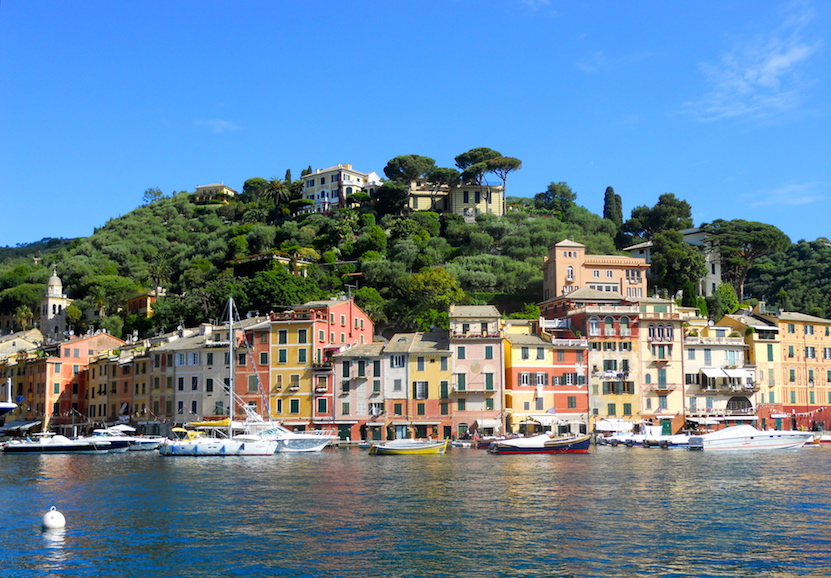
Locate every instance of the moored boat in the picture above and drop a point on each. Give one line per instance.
(542, 444)
(409, 447)
(747, 437)
(289, 441)
(48, 443)
(196, 443)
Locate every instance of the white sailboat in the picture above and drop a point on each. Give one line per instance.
(196, 443)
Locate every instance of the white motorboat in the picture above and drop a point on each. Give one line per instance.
(117, 443)
(122, 441)
(289, 441)
(747, 437)
(196, 443)
(48, 443)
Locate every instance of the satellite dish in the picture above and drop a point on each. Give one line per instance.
(711, 322)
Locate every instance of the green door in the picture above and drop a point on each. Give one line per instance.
(666, 427)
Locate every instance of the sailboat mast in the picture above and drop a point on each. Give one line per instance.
(231, 339)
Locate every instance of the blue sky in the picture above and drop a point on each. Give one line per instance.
(724, 103)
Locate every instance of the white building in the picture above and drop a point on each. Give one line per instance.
(328, 188)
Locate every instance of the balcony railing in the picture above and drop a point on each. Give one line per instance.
(698, 340)
(728, 388)
(661, 387)
(471, 335)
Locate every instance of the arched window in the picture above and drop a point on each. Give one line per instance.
(660, 334)
(609, 326)
(570, 273)
(624, 327)
(669, 332)
(651, 333)
(594, 326)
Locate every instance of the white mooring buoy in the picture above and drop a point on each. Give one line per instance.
(53, 519)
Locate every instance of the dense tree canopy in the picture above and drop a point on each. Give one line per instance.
(741, 243)
(668, 214)
(408, 167)
(405, 267)
(558, 198)
(675, 264)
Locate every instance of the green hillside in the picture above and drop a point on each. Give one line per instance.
(404, 268)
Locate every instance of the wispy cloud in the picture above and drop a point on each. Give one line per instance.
(217, 126)
(794, 194)
(761, 76)
(593, 62)
(537, 4)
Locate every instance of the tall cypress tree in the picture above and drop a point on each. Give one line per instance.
(613, 207)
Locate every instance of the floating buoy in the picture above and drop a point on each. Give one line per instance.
(53, 519)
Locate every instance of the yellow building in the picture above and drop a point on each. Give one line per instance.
(303, 341)
(661, 348)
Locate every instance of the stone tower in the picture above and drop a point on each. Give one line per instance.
(53, 309)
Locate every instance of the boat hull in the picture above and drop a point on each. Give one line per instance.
(56, 446)
(749, 438)
(217, 448)
(575, 445)
(409, 449)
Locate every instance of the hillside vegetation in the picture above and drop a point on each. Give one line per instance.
(404, 268)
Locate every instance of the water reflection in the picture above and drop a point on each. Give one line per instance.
(53, 557)
(614, 512)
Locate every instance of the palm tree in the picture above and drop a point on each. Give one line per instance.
(99, 299)
(23, 316)
(158, 273)
(277, 191)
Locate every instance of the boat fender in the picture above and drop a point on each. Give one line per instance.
(629, 443)
(665, 445)
(615, 443)
(53, 519)
(647, 444)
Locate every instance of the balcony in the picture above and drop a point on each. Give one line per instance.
(472, 388)
(727, 388)
(660, 339)
(323, 365)
(656, 315)
(472, 335)
(661, 387)
(698, 340)
(570, 342)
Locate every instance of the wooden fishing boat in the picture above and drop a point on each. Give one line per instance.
(408, 447)
(542, 444)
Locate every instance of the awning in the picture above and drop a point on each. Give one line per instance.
(375, 424)
(426, 422)
(19, 426)
(613, 425)
(739, 418)
(764, 327)
(713, 372)
(703, 420)
(739, 373)
(298, 422)
(494, 423)
(342, 422)
(540, 418)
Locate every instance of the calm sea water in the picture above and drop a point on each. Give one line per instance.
(613, 512)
